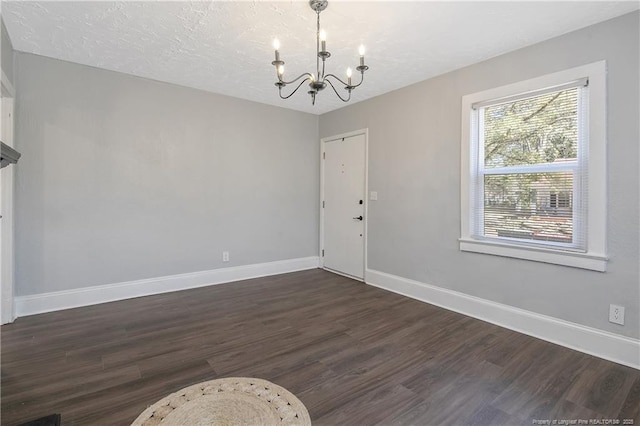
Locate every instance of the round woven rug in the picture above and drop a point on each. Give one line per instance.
(229, 401)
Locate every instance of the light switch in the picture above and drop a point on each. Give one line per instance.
(373, 196)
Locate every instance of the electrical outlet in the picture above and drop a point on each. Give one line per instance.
(225, 256)
(616, 314)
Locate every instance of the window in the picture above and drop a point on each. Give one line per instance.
(533, 169)
(560, 200)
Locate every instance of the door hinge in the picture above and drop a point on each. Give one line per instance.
(323, 204)
(322, 253)
(324, 155)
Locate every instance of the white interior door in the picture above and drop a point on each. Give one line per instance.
(6, 212)
(344, 166)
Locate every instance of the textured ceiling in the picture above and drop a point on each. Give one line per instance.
(225, 47)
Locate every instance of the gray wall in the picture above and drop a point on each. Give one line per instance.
(123, 178)
(6, 56)
(414, 164)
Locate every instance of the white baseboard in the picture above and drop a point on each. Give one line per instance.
(613, 347)
(55, 301)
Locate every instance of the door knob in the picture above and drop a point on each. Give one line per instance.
(358, 218)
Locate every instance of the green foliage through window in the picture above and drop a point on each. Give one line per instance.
(542, 129)
(536, 131)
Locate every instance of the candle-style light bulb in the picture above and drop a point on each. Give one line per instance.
(349, 76)
(313, 78)
(323, 41)
(361, 52)
(280, 70)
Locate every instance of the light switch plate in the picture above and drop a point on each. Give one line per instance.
(373, 196)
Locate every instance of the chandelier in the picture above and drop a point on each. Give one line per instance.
(318, 83)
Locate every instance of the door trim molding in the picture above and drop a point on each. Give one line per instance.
(364, 132)
(7, 88)
(7, 262)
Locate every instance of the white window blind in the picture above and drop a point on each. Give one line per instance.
(529, 162)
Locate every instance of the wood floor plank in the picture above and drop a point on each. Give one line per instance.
(631, 406)
(609, 385)
(353, 354)
(373, 407)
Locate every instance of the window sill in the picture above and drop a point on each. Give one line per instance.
(537, 254)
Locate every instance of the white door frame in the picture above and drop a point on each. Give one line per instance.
(364, 132)
(7, 263)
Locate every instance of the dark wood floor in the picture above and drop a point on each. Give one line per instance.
(354, 355)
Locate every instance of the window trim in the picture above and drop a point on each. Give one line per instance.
(594, 257)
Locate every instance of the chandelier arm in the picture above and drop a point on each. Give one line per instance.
(337, 78)
(308, 75)
(296, 89)
(338, 94)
